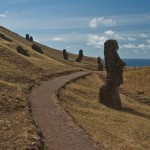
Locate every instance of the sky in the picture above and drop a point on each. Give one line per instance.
(82, 24)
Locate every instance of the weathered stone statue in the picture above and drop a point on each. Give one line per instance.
(5, 38)
(37, 48)
(31, 38)
(27, 36)
(109, 92)
(65, 54)
(100, 65)
(80, 56)
(22, 51)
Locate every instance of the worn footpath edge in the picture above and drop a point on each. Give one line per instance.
(69, 115)
(39, 142)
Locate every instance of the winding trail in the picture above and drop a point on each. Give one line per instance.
(59, 131)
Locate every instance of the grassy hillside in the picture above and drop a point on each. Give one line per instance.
(136, 84)
(18, 74)
(127, 129)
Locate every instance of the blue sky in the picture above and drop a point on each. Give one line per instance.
(82, 24)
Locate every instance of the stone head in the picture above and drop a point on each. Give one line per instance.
(111, 45)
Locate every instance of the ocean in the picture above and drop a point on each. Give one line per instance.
(137, 62)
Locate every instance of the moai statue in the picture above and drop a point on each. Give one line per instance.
(22, 51)
(65, 54)
(100, 65)
(109, 92)
(31, 38)
(37, 48)
(80, 56)
(5, 38)
(27, 36)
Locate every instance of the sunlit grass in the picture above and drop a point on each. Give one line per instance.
(18, 74)
(137, 80)
(127, 129)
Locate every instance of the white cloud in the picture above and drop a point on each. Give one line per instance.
(129, 45)
(68, 47)
(4, 14)
(101, 21)
(143, 35)
(96, 41)
(148, 41)
(141, 46)
(112, 34)
(135, 50)
(117, 36)
(93, 23)
(109, 32)
(131, 39)
(58, 39)
(147, 16)
(145, 51)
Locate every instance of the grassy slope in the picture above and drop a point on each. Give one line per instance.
(17, 74)
(128, 129)
(136, 83)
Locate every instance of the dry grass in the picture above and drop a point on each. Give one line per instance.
(17, 74)
(17, 130)
(127, 129)
(137, 80)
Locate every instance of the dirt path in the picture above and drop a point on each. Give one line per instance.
(57, 127)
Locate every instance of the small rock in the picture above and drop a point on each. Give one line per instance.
(140, 92)
(36, 137)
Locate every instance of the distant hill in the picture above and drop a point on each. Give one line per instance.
(21, 68)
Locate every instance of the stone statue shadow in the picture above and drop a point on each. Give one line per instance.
(134, 112)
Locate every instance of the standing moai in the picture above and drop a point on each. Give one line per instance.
(109, 92)
(27, 36)
(80, 56)
(65, 54)
(31, 38)
(100, 65)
